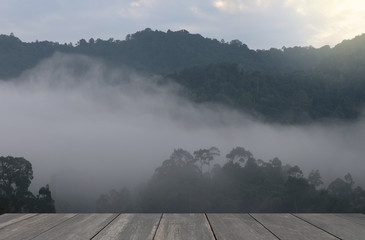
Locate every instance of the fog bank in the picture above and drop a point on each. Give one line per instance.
(87, 128)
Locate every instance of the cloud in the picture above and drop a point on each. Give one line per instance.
(230, 6)
(240, 6)
(88, 128)
(330, 21)
(258, 23)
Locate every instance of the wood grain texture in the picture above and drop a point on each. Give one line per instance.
(82, 226)
(11, 218)
(131, 227)
(32, 227)
(181, 226)
(354, 217)
(237, 226)
(338, 226)
(184, 226)
(287, 226)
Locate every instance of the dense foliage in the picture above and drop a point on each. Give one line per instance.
(288, 85)
(16, 175)
(186, 182)
(295, 97)
(159, 52)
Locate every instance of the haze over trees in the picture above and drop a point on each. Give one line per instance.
(242, 184)
(288, 85)
(182, 184)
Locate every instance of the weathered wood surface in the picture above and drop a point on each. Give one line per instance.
(336, 225)
(354, 217)
(32, 227)
(287, 226)
(82, 226)
(237, 226)
(131, 226)
(8, 219)
(181, 226)
(184, 226)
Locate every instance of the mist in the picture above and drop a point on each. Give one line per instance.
(87, 127)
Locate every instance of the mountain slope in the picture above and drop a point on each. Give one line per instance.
(288, 85)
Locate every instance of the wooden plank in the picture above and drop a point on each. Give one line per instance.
(11, 218)
(33, 226)
(82, 226)
(354, 217)
(335, 225)
(237, 226)
(131, 226)
(287, 226)
(184, 226)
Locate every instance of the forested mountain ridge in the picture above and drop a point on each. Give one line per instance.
(166, 52)
(293, 97)
(288, 85)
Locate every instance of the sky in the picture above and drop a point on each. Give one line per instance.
(261, 24)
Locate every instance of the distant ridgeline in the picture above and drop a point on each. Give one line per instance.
(288, 85)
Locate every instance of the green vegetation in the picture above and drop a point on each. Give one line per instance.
(288, 85)
(186, 182)
(295, 85)
(295, 97)
(15, 177)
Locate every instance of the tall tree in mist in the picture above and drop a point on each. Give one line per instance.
(314, 178)
(205, 157)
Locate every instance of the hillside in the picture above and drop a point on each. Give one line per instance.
(288, 85)
(159, 52)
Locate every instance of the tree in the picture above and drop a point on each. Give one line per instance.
(115, 201)
(81, 42)
(314, 178)
(175, 186)
(295, 172)
(45, 202)
(339, 188)
(349, 180)
(16, 174)
(239, 154)
(276, 163)
(205, 156)
(178, 159)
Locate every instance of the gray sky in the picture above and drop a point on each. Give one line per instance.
(258, 23)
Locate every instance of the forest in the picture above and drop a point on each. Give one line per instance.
(293, 85)
(287, 88)
(188, 182)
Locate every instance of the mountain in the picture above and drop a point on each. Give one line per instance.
(288, 85)
(159, 52)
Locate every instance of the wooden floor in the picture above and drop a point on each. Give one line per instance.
(182, 226)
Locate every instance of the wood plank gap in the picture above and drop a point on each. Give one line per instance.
(263, 226)
(158, 225)
(18, 221)
(55, 225)
(105, 226)
(316, 226)
(210, 225)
